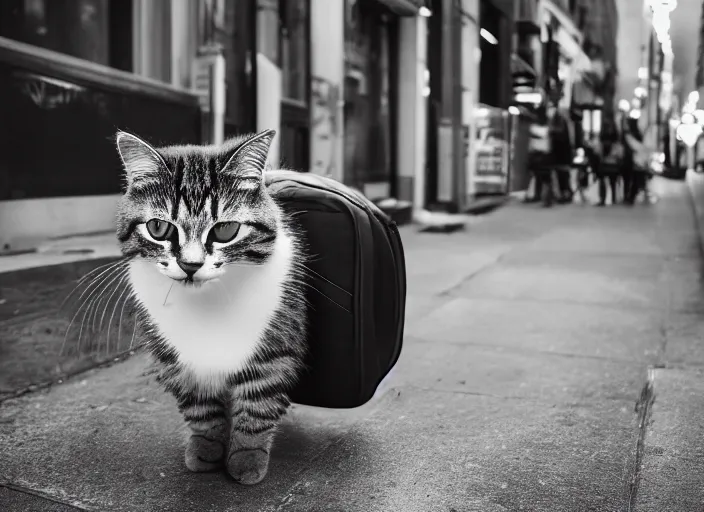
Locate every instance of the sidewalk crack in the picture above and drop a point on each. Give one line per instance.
(644, 409)
(44, 496)
(448, 291)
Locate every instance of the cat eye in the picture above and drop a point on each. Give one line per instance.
(160, 229)
(224, 232)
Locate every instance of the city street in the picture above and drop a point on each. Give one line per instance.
(552, 362)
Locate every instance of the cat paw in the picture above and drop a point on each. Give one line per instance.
(248, 466)
(204, 454)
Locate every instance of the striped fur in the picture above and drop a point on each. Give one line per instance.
(228, 340)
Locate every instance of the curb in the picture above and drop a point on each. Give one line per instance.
(486, 205)
(696, 209)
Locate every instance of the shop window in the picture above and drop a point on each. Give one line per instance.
(93, 30)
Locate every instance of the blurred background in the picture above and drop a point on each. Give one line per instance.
(420, 104)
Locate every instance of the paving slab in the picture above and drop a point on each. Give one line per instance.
(435, 269)
(434, 451)
(572, 278)
(22, 501)
(39, 343)
(113, 440)
(512, 373)
(672, 469)
(684, 340)
(556, 327)
(685, 284)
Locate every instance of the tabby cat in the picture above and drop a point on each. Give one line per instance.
(213, 266)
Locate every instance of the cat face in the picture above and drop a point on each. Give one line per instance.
(193, 211)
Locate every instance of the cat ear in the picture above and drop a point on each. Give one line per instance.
(141, 161)
(249, 160)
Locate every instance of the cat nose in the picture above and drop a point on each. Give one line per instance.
(190, 267)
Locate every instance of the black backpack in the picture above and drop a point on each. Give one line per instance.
(357, 293)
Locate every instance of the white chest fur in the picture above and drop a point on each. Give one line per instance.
(216, 327)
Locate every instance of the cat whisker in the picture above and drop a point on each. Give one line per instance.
(310, 258)
(112, 315)
(311, 286)
(80, 307)
(308, 269)
(168, 293)
(304, 271)
(97, 281)
(122, 311)
(107, 303)
(80, 332)
(102, 294)
(134, 332)
(111, 266)
(89, 302)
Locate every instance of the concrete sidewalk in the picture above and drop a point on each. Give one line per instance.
(520, 387)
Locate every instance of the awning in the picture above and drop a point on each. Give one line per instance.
(571, 48)
(403, 7)
(564, 19)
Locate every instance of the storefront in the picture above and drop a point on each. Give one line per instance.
(447, 141)
(73, 72)
(370, 97)
(492, 150)
(490, 124)
(367, 57)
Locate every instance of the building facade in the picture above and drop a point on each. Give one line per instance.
(365, 64)
(388, 96)
(71, 73)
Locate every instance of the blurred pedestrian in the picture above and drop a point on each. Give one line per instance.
(538, 161)
(561, 151)
(609, 156)
(635, 161)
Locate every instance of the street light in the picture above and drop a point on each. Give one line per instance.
(699, 116)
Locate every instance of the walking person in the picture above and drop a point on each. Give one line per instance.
(539, 162)
(608, 157)
(550, 158)
(635, 161)
(562, 153)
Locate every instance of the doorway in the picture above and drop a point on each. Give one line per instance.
(371, 71)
